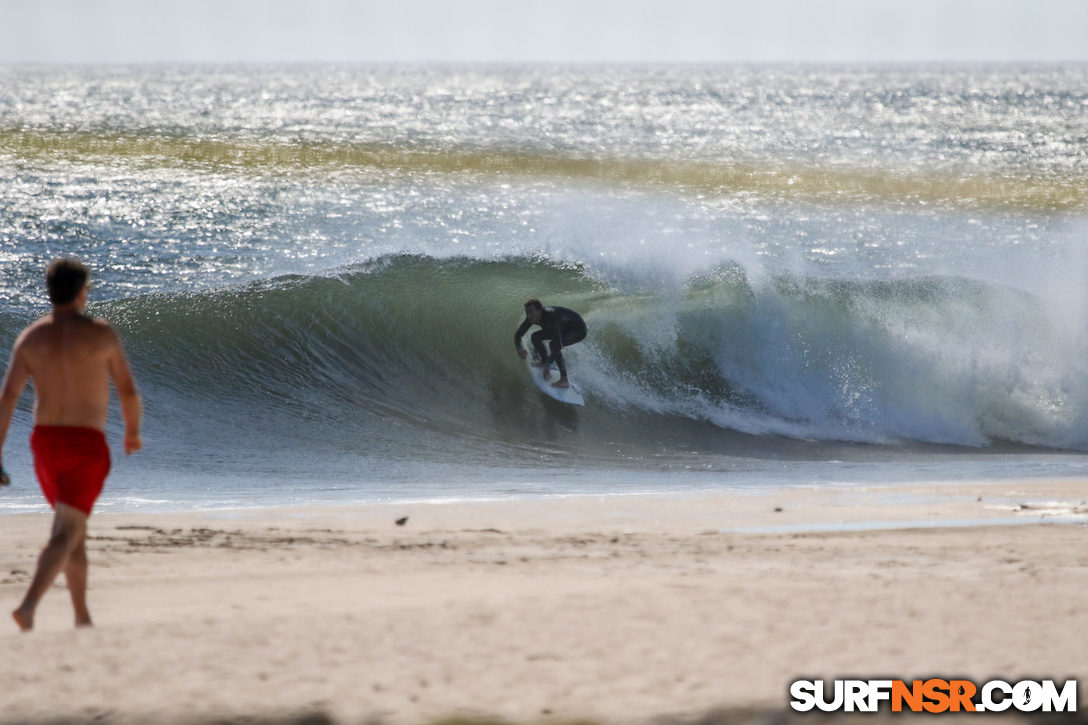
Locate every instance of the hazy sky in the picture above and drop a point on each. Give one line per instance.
(97, 31)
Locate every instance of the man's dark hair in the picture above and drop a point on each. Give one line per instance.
(534, 303)
(64, 278)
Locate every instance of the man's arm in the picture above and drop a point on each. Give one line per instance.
(15, 380)
(131, 408)
(520, 333)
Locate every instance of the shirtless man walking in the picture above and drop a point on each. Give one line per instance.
(71, 358)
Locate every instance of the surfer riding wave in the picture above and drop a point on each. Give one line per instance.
(560, 326)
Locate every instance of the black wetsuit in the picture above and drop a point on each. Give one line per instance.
(560, 326)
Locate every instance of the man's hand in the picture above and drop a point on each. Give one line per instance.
(522, 354)
(5, 479)
(133, 443)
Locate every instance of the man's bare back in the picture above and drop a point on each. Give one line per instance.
(69, 357)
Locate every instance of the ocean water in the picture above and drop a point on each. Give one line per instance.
(792, 275)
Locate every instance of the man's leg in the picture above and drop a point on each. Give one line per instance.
(69, 532)
(557, 358)
(537, 338)
(572, 336)
(569, 338)
(75, 572)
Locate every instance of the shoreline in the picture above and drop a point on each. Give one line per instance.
(614, 610)
(930, 503)
(746, 510)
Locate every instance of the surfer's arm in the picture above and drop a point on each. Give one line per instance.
(519, 334)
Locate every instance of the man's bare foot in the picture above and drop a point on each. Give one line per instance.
(25, 621)
(84, 622)
(561, 383)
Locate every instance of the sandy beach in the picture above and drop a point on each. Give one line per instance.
(626, 609)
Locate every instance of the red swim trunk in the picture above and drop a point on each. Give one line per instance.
(71, 463)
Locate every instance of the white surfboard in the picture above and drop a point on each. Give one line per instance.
(569, 395)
